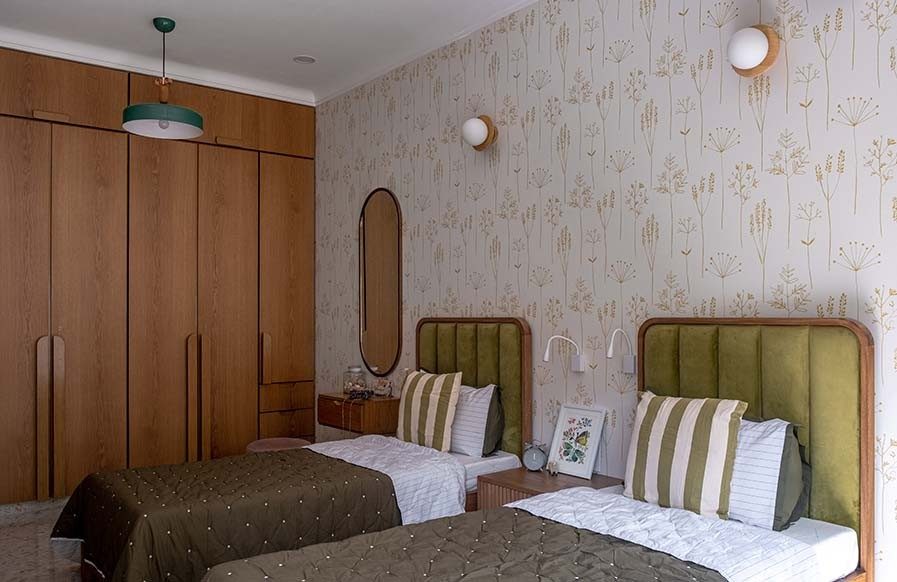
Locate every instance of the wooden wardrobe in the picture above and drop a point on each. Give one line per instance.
(158, 296)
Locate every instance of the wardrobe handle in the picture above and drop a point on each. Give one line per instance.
(265, 357)
(193, 436)
(58, 398)
(42, 392)
(205, 397)
(228, 141)
(50, 116)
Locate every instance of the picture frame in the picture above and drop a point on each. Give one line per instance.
(577, 439)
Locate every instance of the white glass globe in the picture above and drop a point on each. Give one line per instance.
(474, 131)
(747, 48)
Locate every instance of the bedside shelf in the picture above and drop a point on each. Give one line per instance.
(377, 415)
(497, 489)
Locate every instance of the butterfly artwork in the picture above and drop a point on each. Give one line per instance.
(577, 440)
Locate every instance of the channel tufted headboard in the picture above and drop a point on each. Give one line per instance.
(815, 373)
(488, 350)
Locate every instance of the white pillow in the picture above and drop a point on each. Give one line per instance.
(469, 426)
(755, 476)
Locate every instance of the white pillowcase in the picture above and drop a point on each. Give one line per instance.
(469, 426)
(755, 476)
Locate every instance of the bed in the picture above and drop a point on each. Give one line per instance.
(174, 522)
(494, 350)
(814, 373)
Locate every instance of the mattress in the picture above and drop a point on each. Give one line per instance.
(836, 548)
(476, 466)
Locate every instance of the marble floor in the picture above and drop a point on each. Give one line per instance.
(26, 552)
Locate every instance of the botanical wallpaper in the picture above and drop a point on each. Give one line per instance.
(635, 175)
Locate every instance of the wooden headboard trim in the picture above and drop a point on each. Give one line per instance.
(867, 410)
(526, 361)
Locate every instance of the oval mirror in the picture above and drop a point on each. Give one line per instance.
(380, 285)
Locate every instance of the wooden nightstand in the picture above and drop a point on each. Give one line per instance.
(497, 489)
(372, 416)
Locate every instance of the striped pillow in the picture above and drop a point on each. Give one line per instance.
(427, 409)
(477, 418)
(682, 453)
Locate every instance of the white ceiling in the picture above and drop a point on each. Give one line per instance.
(249, 45)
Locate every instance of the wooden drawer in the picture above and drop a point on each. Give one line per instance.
(490, 496)
(292, 423)
(286, 128)
(63, 91)
(373, 416)
(283, 397)
(340, 414)
(230, 119)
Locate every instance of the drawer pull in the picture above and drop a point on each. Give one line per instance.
(50, 116)
(228, 141)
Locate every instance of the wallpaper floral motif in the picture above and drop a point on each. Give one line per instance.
(635, 175)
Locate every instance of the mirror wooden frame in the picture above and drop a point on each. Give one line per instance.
(361, 283)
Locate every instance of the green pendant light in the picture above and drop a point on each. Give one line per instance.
(162, 120)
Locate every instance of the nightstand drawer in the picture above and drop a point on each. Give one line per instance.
(490, 496)
(372, 416)
(497, 489)
(340, 414)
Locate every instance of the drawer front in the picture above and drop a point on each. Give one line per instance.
(284, 397)
(295, 423)
(339, 414)
(381, 417)
(62, 91)
(491, 496)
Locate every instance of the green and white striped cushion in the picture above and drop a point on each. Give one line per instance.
(427, 409)
(682, 452)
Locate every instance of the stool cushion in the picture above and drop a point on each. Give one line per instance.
(275, 444)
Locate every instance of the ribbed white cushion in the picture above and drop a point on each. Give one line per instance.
(755, 477)
(469, 427)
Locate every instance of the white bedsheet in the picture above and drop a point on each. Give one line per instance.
(476, 466)
(739, 552)
(836, 547)
(428, 484)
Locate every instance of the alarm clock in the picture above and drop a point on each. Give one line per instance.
(534, 457)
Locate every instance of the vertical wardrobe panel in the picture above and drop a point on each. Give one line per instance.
(24, 308)
(287, 268)
(88, 302)
(228, 298)
(161, 300)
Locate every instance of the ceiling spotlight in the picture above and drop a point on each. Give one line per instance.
(304, 59)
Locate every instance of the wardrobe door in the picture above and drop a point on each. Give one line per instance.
(287, 269)
(88, 303)
(24, 310)
(62, 91)
(162, 400)
(228, 298)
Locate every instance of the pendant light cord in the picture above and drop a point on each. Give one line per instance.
(163, 55)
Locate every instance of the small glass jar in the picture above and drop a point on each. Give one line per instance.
(354, 379)
(382, 387)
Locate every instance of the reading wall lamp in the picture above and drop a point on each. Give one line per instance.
(577, 361)
(628, 359)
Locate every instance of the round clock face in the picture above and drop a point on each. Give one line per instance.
(534, 458)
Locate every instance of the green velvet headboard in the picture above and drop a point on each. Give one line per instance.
(489, 350)
(815, 373)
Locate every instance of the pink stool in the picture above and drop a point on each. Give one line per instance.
(275, 444)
